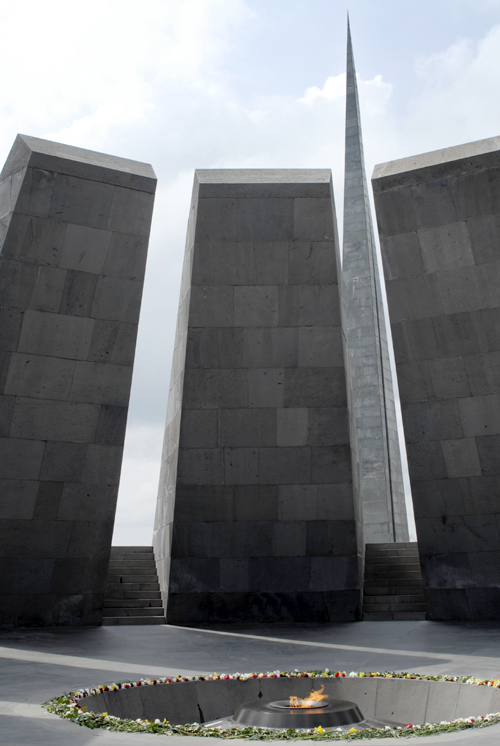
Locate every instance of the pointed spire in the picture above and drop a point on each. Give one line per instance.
(376, 437)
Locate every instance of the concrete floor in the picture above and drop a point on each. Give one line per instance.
(39, 664)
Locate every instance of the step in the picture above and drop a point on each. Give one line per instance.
(144, 611)
(410, 598)
(394, 616)
(380, 589)
(132, 603)
(392, 567)
(129, 620)
(383, 560)
(131, 550)
(392, 545)
(367, 608)
(128, 569)
(132, 578)
(136, 586)
(121, 594)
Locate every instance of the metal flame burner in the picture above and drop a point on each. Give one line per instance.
(279, 714)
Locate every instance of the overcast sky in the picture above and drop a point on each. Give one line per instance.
(185, 84)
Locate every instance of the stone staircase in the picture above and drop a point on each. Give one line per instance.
(393, 588)
(132, 590)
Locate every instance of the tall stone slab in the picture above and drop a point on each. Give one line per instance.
(74, 232)
(256, 518)
(374, 429)
(439, 222)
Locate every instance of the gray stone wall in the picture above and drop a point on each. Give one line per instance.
(439, 223)
(74, 232)
(256, 518)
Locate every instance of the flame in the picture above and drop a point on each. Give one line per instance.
(315, 696)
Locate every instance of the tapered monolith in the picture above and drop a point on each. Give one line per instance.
(374, 430)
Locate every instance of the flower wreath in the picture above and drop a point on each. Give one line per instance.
(70, 706)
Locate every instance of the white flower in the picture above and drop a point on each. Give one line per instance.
(157, 722)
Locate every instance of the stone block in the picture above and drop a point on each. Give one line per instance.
(79, 501)
(247, 427)
(265, 220)
(256, 503)
(234, 574)
(102, 465)
(446, 247)
(396, 212)
(328, 426)
(41, 419)
(85, 249)
(201, 466)
(280, 574)
(309, 305)
(483, 373)
(484, 235)
(270, 347)
(199, 428)
(49, 287)
(469, 288)
(111, 426)
(449, 378)
(256, 305)
(426, 460)
(48, 500)
(101, 383)
(79, 201)
(313, 219)
(56, 335)
(477, 193)
(312, 262)
(434, 420)
(438, 497)
(131, 211)
(39, 376)
(217, 219)
(488, 461)
(266, 387)
(112, 342)
(209, 389)
(292, 427)
(284, 466)
(414, 298)
(241, 466)
(78, 293)
(479, 494)
(117, 299)
(331, 464)
(315, 387)
(320, 347)
(211, 306)
(212, 347)
(402, 256)
(18, 283)
(461, 457)
(289, 539)
(20, 459)
(11, 320)
(480, 415)
(195, 503)
(7, 404)
(335, 502)
(434, 203)
(17, 499)
(334, 573)
(126, 256)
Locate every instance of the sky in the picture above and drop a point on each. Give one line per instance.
(185, 84)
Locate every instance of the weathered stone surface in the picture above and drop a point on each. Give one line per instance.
(71, 270)
(377, 459)
(438, 214)
(256, 517)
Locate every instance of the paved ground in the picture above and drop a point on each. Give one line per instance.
(36, 665)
